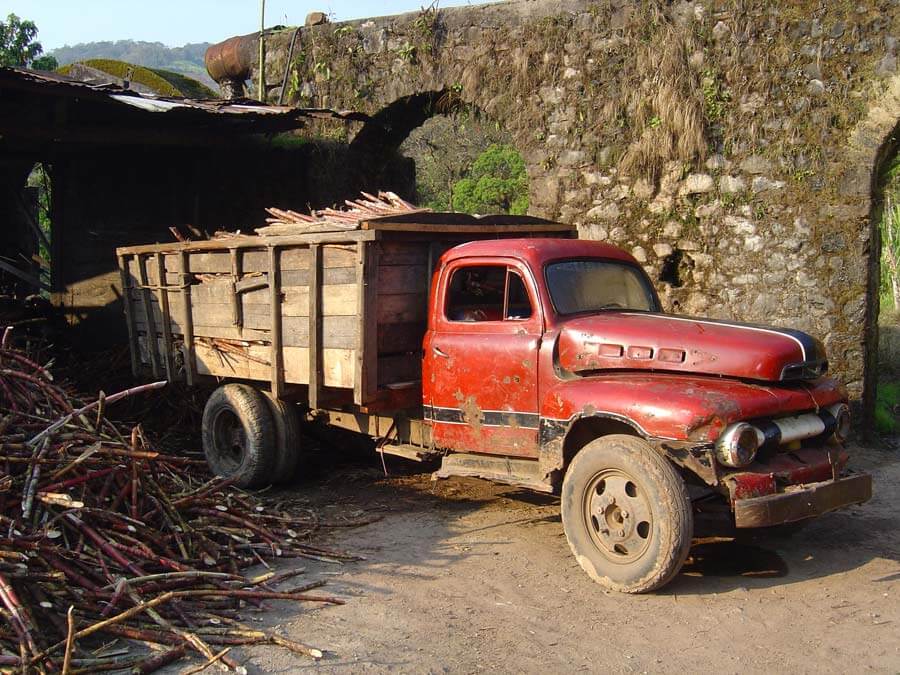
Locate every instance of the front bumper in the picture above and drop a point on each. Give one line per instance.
(797, 502)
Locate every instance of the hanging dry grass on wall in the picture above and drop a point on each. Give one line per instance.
(667, 116)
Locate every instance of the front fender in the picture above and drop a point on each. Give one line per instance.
(681, 408)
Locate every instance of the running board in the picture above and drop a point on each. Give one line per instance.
(412, 452)
(522, 472)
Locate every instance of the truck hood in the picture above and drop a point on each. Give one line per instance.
(664, 342)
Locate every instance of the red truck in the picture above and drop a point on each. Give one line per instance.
(513, 352)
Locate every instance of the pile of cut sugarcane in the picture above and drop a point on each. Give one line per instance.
(114, 557)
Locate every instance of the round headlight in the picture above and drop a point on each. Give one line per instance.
(737, 445)
(841, 414)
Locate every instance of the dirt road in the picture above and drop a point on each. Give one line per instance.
(464, 576)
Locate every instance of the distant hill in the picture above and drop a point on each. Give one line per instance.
(187, 60)
(144, 80)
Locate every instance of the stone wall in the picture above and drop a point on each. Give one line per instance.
(730, 145)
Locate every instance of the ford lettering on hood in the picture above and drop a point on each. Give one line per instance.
(614, 340)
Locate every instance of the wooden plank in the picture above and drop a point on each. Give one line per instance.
(402, 307)
(402, 253)
(240, 241)
(187, 319)
(128, 306)
(277, 356)
(148, 314)
(337, 364)
(395, 338)
(402, 278)
(366, 378)
(166, 321)
(336, 331)
(315, 326)
(475, 228)
(337, 299)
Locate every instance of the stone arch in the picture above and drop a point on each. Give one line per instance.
(385, 133)
(872, 144)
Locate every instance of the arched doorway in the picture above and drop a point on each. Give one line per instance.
(884, 355)
(463, 159)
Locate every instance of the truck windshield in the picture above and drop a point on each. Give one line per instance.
(593, 285)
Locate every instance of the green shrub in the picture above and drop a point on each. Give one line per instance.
(887, 404)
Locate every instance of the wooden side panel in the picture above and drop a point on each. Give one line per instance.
(401, 310)
(210, 303)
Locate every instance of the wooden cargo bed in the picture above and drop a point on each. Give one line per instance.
(341, 310)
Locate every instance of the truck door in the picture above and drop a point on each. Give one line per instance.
(480, 364)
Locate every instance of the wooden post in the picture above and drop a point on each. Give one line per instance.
(187, 318)
(148, 313)
(237, 310)
(134, 347)
(277, 356)
(166, 317)
(365, 381)
(315, 325)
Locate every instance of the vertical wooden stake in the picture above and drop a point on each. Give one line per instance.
(166, 316)
(128, 301)
(152, 346)
(187, 318)
(365, 380)
(315, 325)
(277, 356)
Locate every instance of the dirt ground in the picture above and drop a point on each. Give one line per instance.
(464, 576)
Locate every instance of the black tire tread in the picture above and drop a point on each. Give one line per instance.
(288, 444)
(675, 546)
(251, 408)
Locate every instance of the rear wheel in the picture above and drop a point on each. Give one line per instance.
(286, 419)
(239, 435)
(627, 514)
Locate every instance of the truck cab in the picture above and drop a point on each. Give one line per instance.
(549, 363)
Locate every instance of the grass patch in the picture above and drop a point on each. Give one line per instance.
(887, 407)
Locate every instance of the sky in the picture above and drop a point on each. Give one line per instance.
(178, 22)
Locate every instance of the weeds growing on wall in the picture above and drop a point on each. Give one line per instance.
(669, 107)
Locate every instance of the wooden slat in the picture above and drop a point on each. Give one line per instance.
(336, 331)
(251, 242)
(337, 364)
(148, 314)
(128, 303)
(315, 326)
(187, 319)
(277, 356)
(163, 295)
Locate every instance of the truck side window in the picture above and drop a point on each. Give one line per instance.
(518, 306)
(487, 293)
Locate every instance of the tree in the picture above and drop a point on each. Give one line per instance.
(45, 62)
(497, 183)
(17, 44)
(890, 253)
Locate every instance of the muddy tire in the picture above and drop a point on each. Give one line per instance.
(627, 514)
(239, 435)
(286, 420)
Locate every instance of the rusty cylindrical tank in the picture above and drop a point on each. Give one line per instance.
(234, 58)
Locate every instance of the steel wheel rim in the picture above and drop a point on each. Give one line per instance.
(230, 440)
(618, 516)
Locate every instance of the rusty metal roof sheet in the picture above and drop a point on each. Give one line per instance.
(270, 117)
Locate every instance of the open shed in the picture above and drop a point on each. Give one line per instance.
(124, 167)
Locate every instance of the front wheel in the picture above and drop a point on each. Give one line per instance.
(627, 514)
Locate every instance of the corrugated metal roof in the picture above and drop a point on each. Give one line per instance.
(280, 117)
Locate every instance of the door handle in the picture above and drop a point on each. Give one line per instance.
(439, 352)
